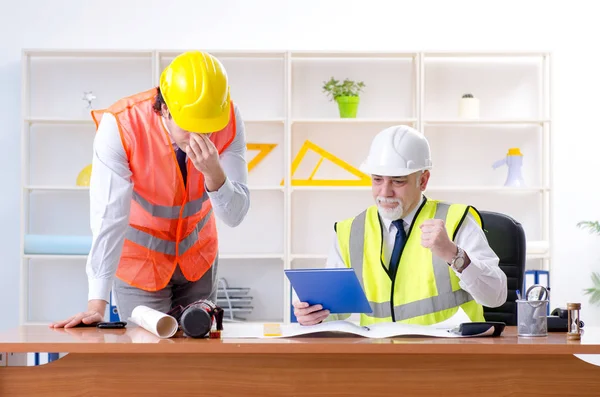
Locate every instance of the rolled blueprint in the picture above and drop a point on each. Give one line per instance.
(160, 324)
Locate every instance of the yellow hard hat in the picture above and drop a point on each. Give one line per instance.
(83, 179)
(196, 90)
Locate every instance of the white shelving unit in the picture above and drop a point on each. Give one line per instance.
(280, 98)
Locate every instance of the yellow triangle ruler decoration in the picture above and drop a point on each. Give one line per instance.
(363, 179)
(263, 148)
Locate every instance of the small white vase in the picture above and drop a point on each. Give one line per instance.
(468, 108)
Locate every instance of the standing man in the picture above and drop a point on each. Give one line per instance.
(166, 161)
(418, 260)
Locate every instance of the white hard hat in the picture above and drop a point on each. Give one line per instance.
(397, 151)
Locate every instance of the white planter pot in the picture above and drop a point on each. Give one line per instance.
(468, 108)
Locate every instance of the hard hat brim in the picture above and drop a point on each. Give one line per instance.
(388, 171)
(203, 125)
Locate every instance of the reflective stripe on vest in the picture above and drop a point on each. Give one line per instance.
(165, 246)
(446, 298)
(162, 211)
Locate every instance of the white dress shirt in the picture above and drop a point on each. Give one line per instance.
(483, 278)
(111, 190)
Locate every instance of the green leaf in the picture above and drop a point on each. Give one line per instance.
(592, 226)
(334, 88)
(595, 297)
(596, 279)
(595, 290)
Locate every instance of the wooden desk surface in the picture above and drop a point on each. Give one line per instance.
(137, 340)
(308, 366)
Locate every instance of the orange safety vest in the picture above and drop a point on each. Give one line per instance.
(169, 223)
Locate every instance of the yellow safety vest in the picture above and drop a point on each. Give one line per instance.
(425, 289)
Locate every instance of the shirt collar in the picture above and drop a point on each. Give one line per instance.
(407, 219)
(171, 140)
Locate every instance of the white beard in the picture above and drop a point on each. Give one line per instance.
(390, 213)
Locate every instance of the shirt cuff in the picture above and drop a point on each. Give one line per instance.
(470, 274)
(223, 195)
(99, 289)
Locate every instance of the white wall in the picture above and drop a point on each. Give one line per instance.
(566, 29)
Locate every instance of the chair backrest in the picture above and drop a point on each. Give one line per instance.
(507, 238)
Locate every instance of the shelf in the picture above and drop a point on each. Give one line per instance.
(50, 120)
(268, 187)
(343, 55)
(354, 121)
(86, 188)
(54, 257)
(307, 256)
(537, 256)
(87, 53)
(483, 54)
(321, 257)
(484, 122)
(222, 256)
(58, 187)
(279, 54)
(486, 189)
(470, 189)
(251, 256)
(263, 121)
(417, 89)
(537, 247)
(332, 188)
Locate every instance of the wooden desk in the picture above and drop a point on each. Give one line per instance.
(134, 362)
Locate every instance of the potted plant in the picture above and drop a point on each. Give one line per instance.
(346, 94)
(594, 227)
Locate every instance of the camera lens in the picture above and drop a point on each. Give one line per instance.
(195, 322)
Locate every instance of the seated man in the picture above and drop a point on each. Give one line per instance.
(418, 260)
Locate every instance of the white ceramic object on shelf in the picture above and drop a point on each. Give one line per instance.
(514, 162)
(468, 107)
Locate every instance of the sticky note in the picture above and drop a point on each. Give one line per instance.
(272, 330)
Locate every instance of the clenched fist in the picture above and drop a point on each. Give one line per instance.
(435, 237)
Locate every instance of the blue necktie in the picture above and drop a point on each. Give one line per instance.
(399, 242)
(182, 166)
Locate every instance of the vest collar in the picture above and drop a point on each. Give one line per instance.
(171, 140)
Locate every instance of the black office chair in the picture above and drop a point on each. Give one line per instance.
(507, 238)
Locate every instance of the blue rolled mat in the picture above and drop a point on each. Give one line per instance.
(46, 244)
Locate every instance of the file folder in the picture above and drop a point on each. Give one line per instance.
(541, 277)
(337, 290)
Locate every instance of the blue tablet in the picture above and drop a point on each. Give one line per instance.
(338, 290)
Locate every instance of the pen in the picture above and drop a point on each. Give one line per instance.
(518, 295)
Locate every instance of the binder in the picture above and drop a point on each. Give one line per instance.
(337, 290)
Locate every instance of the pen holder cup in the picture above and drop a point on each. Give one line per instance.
(531, 317)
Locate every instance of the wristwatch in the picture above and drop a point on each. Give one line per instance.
(458, 262)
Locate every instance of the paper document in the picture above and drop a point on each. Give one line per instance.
(339, 328)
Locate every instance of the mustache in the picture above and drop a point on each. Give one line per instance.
(388, 200)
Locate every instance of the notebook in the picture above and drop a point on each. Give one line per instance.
(337, 290)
